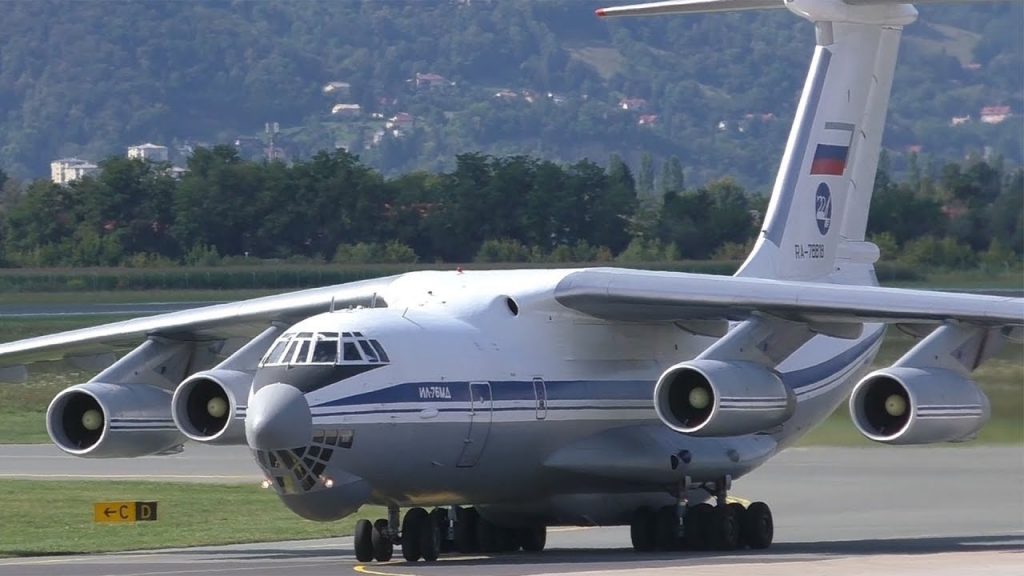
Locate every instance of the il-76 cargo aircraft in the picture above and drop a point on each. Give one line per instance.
(509, 401)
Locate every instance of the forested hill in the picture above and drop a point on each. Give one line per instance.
(87, 79)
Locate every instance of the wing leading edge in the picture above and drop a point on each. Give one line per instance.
(245, 318)
(633, 295)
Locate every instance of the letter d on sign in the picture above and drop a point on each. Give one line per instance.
(145, 511)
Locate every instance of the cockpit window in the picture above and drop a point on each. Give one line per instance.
(325, 352)
(352, 353)
(370, 354)
(324, 348)
(380, 351)
(303, 353)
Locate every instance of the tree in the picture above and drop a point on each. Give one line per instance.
(672, 179)
(645, 177)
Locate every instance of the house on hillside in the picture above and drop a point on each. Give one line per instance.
(148, 151)
(429, 80)
(633, 104)
(342, 89)
(401, 122)
(995, 114)
(347, 110)
(68, 170)
(648, 120)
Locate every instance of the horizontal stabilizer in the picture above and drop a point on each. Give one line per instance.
(689, 7)
(710, 6)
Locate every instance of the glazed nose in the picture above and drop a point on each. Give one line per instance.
(278, 418)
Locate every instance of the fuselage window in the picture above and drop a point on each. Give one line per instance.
(351, 353)
(370, 354)
(380, 351)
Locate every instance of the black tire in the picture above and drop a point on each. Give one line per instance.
(696, 526)
(440, 517)
(508, 539)
(725, 530)
(430, 539)
(533, 538)
(487, 536)
(641, 529)
(383, 547)
(740, 512)
(411, 526)
(758, 526)
(363, 541)
(666, 531)
(465, 530)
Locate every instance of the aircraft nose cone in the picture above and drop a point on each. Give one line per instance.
(278, 418)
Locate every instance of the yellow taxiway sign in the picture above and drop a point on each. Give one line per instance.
(123, 512)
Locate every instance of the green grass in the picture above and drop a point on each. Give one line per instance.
(55, 517)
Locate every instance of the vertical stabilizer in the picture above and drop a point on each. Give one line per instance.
(818, 212)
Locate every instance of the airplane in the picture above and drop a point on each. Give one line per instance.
(515, 400)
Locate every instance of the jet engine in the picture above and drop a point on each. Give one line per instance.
(101, 420)
(904, 405)
(210, 406)
(716, 398)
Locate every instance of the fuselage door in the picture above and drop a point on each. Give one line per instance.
(479, 424)
(540, 392)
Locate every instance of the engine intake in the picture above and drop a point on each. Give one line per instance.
(101, 420)
(715, 398)
(209, 406)
(904, 405)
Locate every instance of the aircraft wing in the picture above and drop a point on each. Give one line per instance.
(635, 295)
(246, 318)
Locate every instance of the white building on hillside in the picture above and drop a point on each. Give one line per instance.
(69, 169)
(147, 151)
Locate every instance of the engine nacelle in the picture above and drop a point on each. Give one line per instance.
(716, 398)
(209, 406)
(904, 405)
(100, 420)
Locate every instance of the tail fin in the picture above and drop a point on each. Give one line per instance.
(817, 216)
(818, 212)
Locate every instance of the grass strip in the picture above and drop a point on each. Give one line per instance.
(56, 517)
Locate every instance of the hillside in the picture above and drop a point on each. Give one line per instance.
(512, 76)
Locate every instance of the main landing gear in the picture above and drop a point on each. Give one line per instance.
(428, 535)
(724, 526)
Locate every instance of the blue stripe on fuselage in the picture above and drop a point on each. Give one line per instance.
(799, 381)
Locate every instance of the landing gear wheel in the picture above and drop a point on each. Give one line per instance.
(666, 532)
(642, 529)
(411, 527)
(741, 514)
(440, 517)
(383, 547)
(430, 539)
(364, 541)
(508, 540)
(758, 527)
(696, 526)
(465, 530)
(725, 530)
(533, 538)
(487, 535)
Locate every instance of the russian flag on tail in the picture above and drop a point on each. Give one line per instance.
(830, 158)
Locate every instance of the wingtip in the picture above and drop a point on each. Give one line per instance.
(600, 12)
